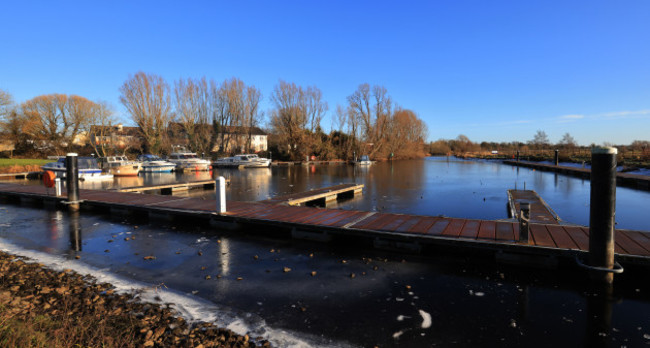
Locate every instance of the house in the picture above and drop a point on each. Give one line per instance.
(235, 139)
(114, 136)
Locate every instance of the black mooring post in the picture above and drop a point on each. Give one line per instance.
(517, 155)
(557, 157)
(602, 211)
(72, 180)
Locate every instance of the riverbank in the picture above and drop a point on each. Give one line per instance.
(21, 165)
(40, 307)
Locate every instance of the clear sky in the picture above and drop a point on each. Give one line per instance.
(492, 70)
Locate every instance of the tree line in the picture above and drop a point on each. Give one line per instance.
(204, 115)
(540, 142)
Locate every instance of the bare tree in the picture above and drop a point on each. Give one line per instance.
(146, 97)
(297, 115)
(568, 141)
(193, 109)
(373, 108)
(252, 116)
(59, 119)
(101, 130)
(540, 139)
(6, 101)
(406, 133)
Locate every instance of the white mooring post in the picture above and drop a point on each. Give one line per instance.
(57, 186)
(220, 186)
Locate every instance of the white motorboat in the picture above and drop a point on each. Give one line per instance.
(155, 164)
(245, 161)
(119, 166)
(88, 168)
(363, 161)
(187, 160)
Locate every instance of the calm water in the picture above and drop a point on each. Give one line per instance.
(434, 186)
(392, 300)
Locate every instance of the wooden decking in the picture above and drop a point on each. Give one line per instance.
(23, 175)
(167, 189)
(326, 194)
(421, 231)
(540, 212)
(626, 179)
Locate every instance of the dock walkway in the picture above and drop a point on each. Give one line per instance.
(167, 189)
(400, 231)
(626, 179)
(540, 212)
(326, 194)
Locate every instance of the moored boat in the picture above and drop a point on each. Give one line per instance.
(187, 160)
(155, 164)
(363, 161)
(88, 168)
(245, 160)
(119, 166)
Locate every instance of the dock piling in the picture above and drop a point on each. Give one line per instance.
(524, 222)
(602, 212)
(557, 157)
(220, 185)
(517, 155)
(72, 180)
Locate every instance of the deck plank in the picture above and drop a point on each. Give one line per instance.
(470, 229)
(540, 236)
(505, 231)
(487, 230)
(454, 228)
(630, 245)
(561, 237)
(578, 236)
(438, 227)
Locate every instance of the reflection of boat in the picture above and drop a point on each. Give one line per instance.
(363, 161)
(155, 164)
(186, 160)
(119, 166)
(88, 168)
(246, 161)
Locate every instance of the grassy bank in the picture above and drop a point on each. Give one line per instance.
(44, 308)
(21, 165)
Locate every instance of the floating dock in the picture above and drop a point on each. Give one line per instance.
(318, 196)
(411, 233)
(624, 179)
(168, 189)
(23, 175)
(540, 212)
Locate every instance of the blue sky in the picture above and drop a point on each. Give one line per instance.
(492, 70)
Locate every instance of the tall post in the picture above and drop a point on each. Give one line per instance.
(524, 222)
(557, 157)
(221, 194)
(517, 155)
(72, 180)
(602, 211)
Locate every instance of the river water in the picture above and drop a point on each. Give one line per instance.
(360, 297)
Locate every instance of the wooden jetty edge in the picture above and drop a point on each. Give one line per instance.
(625, 179)
(322, 195)
(168, 189)
(540, 212)
(412, 233)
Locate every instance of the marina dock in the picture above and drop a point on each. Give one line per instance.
(318, 196)
(23, 175)
(411, 233)
(540, 212)
(168, 189)
(624, 179)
